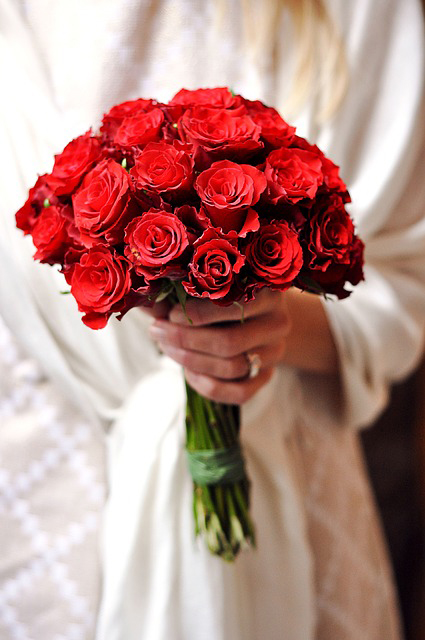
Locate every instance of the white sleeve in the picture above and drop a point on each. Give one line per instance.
(378, 139)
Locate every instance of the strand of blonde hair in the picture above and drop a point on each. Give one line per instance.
(321, 69)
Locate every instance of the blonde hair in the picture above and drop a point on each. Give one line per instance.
(321, 70)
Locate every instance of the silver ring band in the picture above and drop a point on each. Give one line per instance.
(254, 364)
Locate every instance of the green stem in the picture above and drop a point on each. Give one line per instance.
(221, 512)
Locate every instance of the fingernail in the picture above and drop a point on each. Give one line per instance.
(156, 332)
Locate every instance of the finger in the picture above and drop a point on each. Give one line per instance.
(223, 341)
(158, 310)
(202, 312)
(235, 392)
(224, 368)
(234, 368)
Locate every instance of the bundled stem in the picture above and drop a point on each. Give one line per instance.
(221, 487)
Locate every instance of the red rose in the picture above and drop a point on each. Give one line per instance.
(331, 235)
(155, 242)
(112, 120)
(27, 215)
(275, 255)
(335, 253)
(99, 283)
(293, 175)
(215, 264)
(138, 130)
(333, 280)
(78, 157)
(331, 178)
(220, 97)
(54, 233)
(220, 131)
(227, 191)
(163, 167)
(274, 130)
(102, 204)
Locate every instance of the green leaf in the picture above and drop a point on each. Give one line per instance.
(168, 288)
(64, 293)
(310, 285)
(182, 297)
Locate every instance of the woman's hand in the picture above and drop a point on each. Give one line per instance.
(213, 349)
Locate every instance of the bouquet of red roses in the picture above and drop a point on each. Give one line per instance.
(209, 196)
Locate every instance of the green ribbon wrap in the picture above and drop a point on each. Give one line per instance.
(216, 466)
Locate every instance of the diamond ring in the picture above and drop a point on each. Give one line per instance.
(254, 364)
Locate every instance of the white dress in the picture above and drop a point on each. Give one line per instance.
(320, 571)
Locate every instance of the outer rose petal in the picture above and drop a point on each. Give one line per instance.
(237, 224)
(194, 221)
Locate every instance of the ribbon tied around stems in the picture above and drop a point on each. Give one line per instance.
(216, 466)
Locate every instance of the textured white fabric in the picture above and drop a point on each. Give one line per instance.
(64, 63)
(51, 498)
(160, 583)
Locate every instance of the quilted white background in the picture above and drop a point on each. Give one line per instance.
(51, 494)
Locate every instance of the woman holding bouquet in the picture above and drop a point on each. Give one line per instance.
(307, 373)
